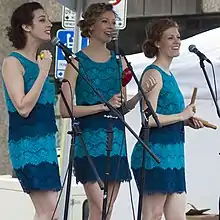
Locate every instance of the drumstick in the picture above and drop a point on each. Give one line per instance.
(206, 123)
(193, 99)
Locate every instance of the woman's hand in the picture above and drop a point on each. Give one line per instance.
(44, 62)
(188, 112)
(194, 123)
(149, 84)
(116, 101)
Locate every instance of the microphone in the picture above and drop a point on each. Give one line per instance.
(68, 53)
(193, 49)
(126, 76)
(115, 34)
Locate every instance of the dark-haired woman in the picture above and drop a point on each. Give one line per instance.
(30, 99)
(164, 187)
(99, 65)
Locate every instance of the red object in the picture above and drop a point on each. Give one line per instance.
(126, 76)
(115, 2)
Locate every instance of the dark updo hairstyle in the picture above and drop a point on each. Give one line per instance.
(22, 15)
(154, 32)
(90, 16)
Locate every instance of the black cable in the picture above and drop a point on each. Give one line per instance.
(119, 64)
(116, 175)
(62, 186)
(215, 84)
(59, 197)
(132, 202)
(118, 59)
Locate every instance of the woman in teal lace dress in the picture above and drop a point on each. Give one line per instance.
(30, 99)
(164, 187)
(99, 65)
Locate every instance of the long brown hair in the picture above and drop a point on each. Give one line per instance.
(154, 31)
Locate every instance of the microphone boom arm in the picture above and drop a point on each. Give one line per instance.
(202, 65)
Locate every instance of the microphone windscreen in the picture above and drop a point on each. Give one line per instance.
(114, 35)
(126, 76)
(191, 48)
(55, 41)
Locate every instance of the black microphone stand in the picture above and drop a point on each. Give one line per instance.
(202, 65)
(111, 116)
(144, 134)
(68, 57)
(74, 132)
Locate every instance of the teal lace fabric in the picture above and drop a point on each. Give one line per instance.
(31, 141)
(106, 78)
(167, 143)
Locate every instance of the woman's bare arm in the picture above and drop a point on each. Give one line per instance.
(78, 111)
(12, 72)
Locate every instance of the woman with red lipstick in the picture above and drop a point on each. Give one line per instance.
(30, 99)
(99, 65)
(164, 187)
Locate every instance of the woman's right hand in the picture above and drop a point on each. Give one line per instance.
(44, 61)
(149, 84)
(188, 112)
(116, 101)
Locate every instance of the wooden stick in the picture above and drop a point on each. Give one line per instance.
(193, 99)
(206, 123)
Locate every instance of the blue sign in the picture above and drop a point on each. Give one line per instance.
(67, 38)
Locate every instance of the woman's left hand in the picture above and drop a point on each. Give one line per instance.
(194, 123)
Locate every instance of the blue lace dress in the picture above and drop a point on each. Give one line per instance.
(106, 79)
(31, 141)
(167, 143)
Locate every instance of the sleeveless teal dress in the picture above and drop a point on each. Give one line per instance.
(106, 78)
(167, 143)
(31, 141)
